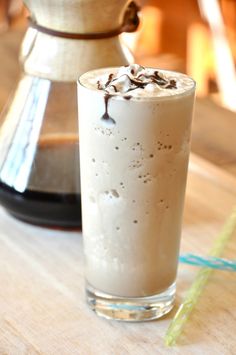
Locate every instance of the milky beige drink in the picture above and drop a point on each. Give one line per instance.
(134, 126)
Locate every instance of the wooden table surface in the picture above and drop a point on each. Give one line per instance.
(42, 308)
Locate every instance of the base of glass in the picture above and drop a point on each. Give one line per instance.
(130, 309)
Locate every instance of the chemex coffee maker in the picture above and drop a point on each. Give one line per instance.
(39, 139)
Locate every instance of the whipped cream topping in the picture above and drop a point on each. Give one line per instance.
(137, 81)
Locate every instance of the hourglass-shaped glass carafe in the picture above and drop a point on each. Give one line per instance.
(39, 140)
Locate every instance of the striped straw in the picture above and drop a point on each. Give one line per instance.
(210, 262)
(176, 326)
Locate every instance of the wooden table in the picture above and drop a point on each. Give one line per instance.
(42, 308)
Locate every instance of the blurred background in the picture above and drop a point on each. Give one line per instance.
(193, 36)
(197, 37)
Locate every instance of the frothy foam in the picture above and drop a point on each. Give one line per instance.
(137, 81)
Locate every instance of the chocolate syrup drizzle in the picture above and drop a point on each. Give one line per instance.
(136, 83)
(106, 115)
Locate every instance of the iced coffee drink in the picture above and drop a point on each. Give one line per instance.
(134, 126)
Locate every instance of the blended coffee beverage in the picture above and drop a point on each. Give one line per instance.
(134, 126)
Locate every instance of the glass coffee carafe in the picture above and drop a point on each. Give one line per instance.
(39, 141)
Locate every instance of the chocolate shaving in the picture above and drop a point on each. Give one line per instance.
(110, 77)
(171, 85)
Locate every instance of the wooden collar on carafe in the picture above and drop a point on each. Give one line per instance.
(130, 24)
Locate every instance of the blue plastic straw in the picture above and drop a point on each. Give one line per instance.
(209, 261)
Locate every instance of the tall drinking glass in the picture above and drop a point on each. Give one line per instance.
(134, 151)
